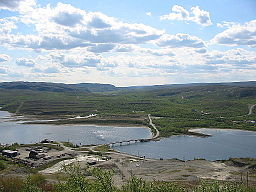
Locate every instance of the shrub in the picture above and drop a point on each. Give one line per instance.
(2, 166)
(37, 179)
(11, 184)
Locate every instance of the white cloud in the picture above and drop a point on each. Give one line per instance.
(15, 4)
(100, 48)
(180, 40)
(156, 52)
(202, 51)
(4, 58)
(99, 20)
(77, 60)
(196, 15)
(91, 27)
(94, 31)
(149, 14)
(3, 70)
(122, 33)
(239, 57)
(226, 24)
(7, 25)
(73, 45)
(67, 18)
(238, 35)
(66, 27)
(178, 13)
(200, 16)
(22, 6)
(124, 48)
(47, 42)
(25, 62)
(47, 70)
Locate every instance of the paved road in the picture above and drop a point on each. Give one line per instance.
(153, 125)
(251, 108)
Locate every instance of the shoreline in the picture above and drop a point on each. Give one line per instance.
(228, 129)
(113, 151)
(51, 122)
(190, 133)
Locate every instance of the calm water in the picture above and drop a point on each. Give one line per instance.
(11, 131)
(222, 145)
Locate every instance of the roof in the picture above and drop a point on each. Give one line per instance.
(9, 151)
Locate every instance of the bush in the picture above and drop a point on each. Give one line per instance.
(11, 184)
(37, 179)
(2, 166)
(103, 182)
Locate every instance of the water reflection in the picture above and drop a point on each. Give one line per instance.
(222, 145)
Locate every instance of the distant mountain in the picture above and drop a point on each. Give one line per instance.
(95, 87)
(38, 86)
(245, 87)
(152, 87)
(58, 87)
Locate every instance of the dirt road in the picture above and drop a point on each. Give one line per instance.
(251, 108)
(153, 125)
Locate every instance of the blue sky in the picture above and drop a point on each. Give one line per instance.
(142, 42)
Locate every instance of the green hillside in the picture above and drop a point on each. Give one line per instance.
(178, 107)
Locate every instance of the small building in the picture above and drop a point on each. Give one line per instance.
(46, 141)
(9, 153)
(33, 154)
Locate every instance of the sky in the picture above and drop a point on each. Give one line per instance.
(129, 42)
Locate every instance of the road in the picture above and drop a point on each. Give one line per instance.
(20, 106)
(251, 108)
(153, 125)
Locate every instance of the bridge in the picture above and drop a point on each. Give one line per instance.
(133, 141)
(128, 142)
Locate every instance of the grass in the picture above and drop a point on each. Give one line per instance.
(50, 146)
(68, 144)
(2, 165)
(50, 164)
(103, 148)
(82, 149)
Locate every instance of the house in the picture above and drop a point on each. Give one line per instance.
(34, 155)
(10, 153)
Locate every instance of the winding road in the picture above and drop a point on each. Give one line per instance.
(251, 108)
(19, 107)
(156, 135)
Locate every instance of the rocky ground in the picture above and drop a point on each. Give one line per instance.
(124, 166)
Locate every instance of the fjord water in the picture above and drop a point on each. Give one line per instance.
(223, 144)
(12, 131)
